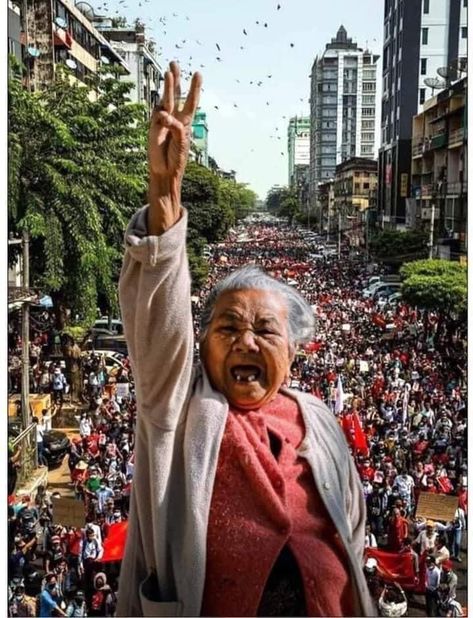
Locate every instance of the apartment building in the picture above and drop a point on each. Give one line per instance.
(61, 32)
(342, 108)
(298, 149)
(423, 40)
(439, 171)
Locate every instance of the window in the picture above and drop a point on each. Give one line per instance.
(367, 137)
(369, 86)
(367, 124)
(425, 36)
(366, 149)
(464, 32)
(368, 99)
(366, 185)
(421, 95)
(426, 6)
(423, 66)
(465, 4)
(367, 111)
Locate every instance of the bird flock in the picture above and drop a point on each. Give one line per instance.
(161, 25)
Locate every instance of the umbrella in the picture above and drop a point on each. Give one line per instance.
(114, 544)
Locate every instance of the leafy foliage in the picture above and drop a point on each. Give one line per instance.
(395, 247)
(435, 284)
(77, 172)
(283, 202)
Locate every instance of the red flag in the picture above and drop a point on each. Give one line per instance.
(445, 485)
(360, 438)
(114, 544)
(398, 567)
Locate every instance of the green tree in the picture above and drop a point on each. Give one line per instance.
(77, 172)
(395, 247)
(439, 285)
(283, 202)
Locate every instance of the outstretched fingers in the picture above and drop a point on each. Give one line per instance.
(168, 96)
(176, 72)
(193, 97)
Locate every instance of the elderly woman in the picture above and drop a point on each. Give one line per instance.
(245, 499)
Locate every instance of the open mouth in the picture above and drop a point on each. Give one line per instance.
(246, 373)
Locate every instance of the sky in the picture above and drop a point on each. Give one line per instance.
(244, 130)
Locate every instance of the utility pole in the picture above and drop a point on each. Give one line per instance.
(25, 336)
(432, 227)
(339, 234)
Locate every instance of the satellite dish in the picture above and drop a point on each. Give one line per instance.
(435, 83)
(450, 73)
(62, 23)
(104, 60)
(71, 63)
(33, 52)
(86, 9)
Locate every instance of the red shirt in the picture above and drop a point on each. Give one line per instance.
(259, 505)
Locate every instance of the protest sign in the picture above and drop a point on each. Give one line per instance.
(438, 507)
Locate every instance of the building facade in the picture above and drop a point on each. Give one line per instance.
(59, 33)
(440, 172)
(200, 138)
(420, 38)
(342, 108)
(298, 148)
(355, 189)
(137, 51)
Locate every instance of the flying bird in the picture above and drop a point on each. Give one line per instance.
(292, 44)
(235, 105)
(241, 47)
(218, 46)
(265, 25)
(269, 76)
(198, 43)
(245, 32)
(267, 102)
(278, 7)
(216, 106)
(219, 59)
(282, 154)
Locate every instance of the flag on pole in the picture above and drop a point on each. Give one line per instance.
(339, 395)
(405, 403)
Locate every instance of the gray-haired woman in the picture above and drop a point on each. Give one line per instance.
(245, 499)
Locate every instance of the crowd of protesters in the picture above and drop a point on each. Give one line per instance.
(57, 569)
(393, 375)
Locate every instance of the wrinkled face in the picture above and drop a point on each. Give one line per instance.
(246, 350)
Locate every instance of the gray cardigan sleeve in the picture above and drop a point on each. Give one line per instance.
(154, 291)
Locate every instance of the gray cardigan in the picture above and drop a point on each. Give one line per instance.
(181, 420)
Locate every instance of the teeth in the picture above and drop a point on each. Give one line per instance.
(251, 378)
(238, 378)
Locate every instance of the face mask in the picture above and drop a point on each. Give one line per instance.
(102, 486)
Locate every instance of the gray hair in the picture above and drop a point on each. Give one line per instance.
(301, 319)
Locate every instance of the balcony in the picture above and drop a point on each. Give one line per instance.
(456, 137)
(436, 141)
(418, 148)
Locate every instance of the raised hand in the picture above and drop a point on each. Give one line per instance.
(168, 149)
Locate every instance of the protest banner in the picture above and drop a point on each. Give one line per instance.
(438, 507)
(123, 390)
(69, 512)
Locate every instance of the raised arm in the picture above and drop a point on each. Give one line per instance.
(154, 282)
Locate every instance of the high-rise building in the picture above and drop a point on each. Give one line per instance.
(298, 148)
(342, 108)
(420, 38)
(200, 138)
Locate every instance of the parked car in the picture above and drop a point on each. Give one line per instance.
(116, 325)
(110, 343)
(385, 289)
(56, 443)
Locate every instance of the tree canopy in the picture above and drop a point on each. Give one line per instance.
(283, 202)
(435, 284)
(77, 172)
(396, 247)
